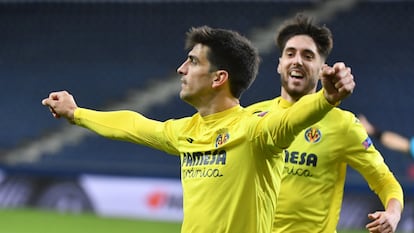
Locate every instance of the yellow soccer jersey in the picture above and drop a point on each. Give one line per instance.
(231, 161)
(315, 169)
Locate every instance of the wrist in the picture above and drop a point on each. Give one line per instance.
(329, 99)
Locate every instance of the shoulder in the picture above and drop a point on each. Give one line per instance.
(342, 120)
(342, 115)
(182, 122)
(348, 122)
(261, 106)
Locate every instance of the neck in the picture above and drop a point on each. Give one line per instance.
(215, 106)
(294, 97)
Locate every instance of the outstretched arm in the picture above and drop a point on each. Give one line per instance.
(120, 125)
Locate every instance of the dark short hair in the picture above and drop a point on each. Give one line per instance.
(230, 51)
(304, 25)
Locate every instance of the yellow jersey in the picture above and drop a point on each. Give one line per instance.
(314, 173)
(231, 161)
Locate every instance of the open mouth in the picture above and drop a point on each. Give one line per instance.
(296, 74)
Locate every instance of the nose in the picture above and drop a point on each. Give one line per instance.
(182, 69)
(297, 60)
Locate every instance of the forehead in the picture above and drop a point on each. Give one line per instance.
(199, 51)
(301, 42)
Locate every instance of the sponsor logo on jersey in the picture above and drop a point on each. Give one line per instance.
(313, 135)
(295, 157)
(299, 163)
(217, 157)
(222, 137)
(190, 140)
(203, 164)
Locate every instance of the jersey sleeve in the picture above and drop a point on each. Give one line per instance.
(284, 125)
(362, 156)
(127, 126)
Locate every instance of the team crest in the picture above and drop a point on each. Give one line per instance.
(222, 137)
(313, 135)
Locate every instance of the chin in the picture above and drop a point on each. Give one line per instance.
(295, 93)
(184, 97)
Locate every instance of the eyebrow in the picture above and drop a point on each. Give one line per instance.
(305, 50)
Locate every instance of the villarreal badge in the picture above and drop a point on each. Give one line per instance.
(222, 137)
(313, 135)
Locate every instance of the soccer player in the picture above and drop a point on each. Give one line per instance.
(315, 163)
(389, 139)
(231, 160)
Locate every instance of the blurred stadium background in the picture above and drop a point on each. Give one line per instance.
(123, 55)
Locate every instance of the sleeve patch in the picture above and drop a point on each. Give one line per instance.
(367, 143)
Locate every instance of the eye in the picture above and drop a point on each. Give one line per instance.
(309, 56)
(289, 54)
(193, 60)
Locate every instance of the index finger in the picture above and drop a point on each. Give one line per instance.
(54, 95)
(339, 66)
(327, 70)
(45, 102)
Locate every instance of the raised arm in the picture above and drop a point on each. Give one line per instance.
(338, 83)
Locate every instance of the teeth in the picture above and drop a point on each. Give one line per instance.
(296, 73)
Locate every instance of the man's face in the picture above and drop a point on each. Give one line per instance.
(196, 76)
(299, 67)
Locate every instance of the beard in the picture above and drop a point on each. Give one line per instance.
(299, 89)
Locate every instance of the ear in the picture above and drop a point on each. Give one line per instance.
(220, 77)
(278, 67)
